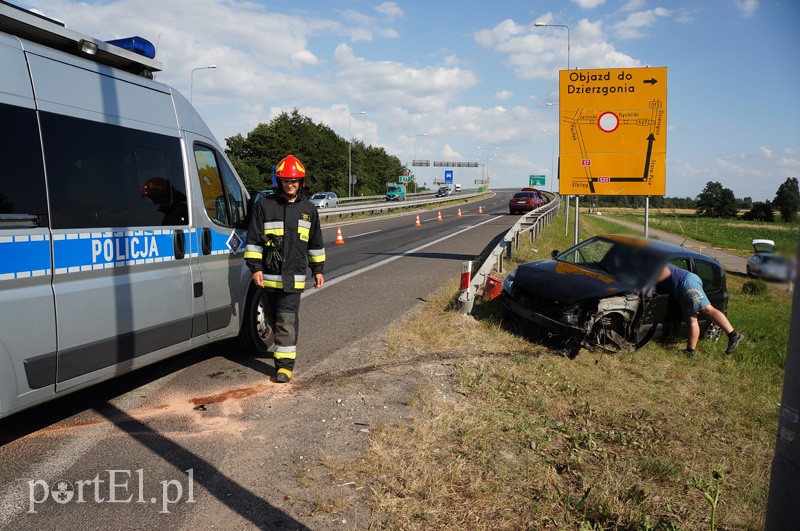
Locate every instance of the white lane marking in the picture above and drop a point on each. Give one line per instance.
(364, 234)
(391, 259)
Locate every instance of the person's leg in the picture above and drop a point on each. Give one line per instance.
(286, 330)
(718, 317)
(694, 333)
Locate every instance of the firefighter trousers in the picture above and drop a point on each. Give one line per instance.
(281, 310)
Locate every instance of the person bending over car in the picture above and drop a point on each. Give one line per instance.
(687, 288)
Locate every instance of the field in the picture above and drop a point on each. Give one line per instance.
(523, 438)
(734, 234)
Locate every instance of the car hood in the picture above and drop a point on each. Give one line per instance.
(566, 283)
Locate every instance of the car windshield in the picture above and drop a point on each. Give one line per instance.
(627, 262)
(318, 196)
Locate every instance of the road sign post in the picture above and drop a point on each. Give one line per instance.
(613, 132)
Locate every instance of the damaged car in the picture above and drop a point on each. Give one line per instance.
(604, 293)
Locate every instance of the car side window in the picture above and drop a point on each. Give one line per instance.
(710, 274)
(22, 191)
(222, 197)
(103, 175)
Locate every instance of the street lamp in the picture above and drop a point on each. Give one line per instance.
(191, 80)
(488, 155)
(350, 156)
(543, 25)
(415, 157)
(552, 156)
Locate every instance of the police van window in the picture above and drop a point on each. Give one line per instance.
(22, 192)
(102, 175)
(236, 200)
(222, 197)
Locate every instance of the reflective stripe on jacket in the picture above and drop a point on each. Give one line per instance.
(297, 227)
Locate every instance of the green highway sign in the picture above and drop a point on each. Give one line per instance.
(536, 180)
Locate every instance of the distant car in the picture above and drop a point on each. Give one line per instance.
(325, 200)
(443, 192)
(766, 264)
(525, 202)
(604, 293)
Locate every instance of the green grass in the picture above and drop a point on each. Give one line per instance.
(724, 233)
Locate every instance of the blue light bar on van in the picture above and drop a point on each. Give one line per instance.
(136, 45)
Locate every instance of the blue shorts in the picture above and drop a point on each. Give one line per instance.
(692, 298)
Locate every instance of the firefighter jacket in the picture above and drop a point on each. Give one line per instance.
(283, 239)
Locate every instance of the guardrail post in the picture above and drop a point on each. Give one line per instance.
(466, 299)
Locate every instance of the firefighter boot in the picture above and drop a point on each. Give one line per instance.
(283, 375)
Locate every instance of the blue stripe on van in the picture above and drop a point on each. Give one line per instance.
(24, 256)
(85, 251)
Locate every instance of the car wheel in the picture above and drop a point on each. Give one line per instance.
(255, 334)
(749, 272)
(713, 332)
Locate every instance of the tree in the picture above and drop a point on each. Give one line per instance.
(787, 199)
(716, 201)
(759, 212)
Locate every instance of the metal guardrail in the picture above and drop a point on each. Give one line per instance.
(387, 206)
(361, 198)
(533, 222)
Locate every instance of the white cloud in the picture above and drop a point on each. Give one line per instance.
(633, 5)
(503, 95)
(540, 52)
(789, 163)
(448, 153)
(631, 27)
(588, 4)
(766, 152)
(747, 7)
(390, 9)
(304, 57)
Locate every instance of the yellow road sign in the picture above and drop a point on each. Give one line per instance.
(613, 131)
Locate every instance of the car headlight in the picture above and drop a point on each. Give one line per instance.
(508, 281)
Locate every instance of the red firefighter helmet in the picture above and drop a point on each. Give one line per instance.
(290, 168)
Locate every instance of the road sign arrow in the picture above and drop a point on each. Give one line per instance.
(650, 140)
(652, 81)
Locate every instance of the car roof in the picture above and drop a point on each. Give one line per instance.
(668, 250)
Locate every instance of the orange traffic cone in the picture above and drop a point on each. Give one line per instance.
(480, 210)
(339, 239)
(439, 217)
(459, 212)
(417, 223)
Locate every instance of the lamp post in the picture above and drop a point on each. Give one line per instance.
(543, 25)
(191, 80)
(488, 156)
(415, 157)
(350, 156)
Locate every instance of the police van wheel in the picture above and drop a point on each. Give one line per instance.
(255, 334)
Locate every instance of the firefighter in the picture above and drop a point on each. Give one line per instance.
(283, 239)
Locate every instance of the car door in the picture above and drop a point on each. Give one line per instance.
(220, 240)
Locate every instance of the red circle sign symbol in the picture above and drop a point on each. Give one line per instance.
(608, 122)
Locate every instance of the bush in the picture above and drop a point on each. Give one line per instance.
(754, 287)
(760, 212)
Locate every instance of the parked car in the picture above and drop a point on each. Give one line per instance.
(766, 264)
(443, 191)
(604, 293)
(325, 200)
(524, 202)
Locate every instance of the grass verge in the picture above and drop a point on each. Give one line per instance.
(526, 439)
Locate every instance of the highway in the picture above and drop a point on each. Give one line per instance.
(205, 411)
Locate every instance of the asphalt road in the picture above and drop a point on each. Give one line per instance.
(137, 452)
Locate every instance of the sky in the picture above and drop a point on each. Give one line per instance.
(476, 81)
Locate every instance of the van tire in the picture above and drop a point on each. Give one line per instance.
(255, 334)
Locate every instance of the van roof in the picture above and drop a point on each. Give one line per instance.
(42, 30)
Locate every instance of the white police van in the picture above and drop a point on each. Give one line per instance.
(121, 220)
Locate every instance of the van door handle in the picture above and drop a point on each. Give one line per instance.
(206, 237)
(179, 244)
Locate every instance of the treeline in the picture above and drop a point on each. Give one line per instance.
(319, 148)
(716, 201)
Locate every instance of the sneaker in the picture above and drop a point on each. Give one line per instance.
(283, 376)
(733, 342)
(690, 353)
